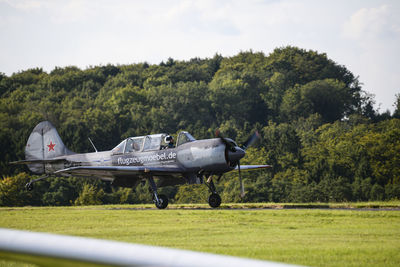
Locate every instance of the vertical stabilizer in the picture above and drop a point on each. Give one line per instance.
(44, 143)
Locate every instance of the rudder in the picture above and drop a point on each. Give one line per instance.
(44, 143)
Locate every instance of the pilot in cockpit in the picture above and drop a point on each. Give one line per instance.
(136, 146)
(169, 140)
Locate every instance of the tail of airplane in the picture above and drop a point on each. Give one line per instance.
(44, 144)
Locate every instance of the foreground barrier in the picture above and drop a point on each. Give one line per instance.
(60, 250)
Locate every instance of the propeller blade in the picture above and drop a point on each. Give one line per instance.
(228, 144)
(241, 182)
(251, 140)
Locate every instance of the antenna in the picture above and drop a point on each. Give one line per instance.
(93, 144)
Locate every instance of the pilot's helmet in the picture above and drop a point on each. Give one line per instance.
(168, 139)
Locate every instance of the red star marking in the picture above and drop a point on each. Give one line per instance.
(51, 146)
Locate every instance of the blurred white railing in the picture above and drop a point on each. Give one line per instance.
(48, 249)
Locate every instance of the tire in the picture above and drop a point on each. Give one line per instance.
(214, 200)
(163, 202)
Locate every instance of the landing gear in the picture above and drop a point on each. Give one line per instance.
(29, 186)
(161, 201)
(214, 200)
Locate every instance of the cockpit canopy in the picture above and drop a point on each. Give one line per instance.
(149, 143)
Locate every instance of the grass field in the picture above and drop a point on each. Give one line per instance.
(314, 237)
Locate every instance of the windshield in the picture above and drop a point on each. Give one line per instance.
(184, 137)
(119, 149)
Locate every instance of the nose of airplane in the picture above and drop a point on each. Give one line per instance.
(235, 156)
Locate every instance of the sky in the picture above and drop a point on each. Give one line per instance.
(363, 35)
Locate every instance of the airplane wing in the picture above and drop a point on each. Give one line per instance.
(112, 171)
(36, 161)
(252, 167)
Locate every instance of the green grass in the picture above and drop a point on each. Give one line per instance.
(314, 237)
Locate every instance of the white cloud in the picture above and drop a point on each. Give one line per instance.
(373, 23)
(375, 36)
(25, 5)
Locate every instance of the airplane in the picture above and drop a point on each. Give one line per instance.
(152, 157)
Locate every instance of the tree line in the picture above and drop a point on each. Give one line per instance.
(318, 128)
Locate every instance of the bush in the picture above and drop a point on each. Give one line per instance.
(89, 196)
(14, 194)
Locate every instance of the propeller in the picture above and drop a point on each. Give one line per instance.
(251, 140)
(234, 153)
(228, 144)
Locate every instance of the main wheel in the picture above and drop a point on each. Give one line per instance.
(214, 200)
(163, 202)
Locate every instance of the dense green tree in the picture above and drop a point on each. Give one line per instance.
(329, 98)
(282, 145)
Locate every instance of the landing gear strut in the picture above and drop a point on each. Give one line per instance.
(214, 200)
(161, 201)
